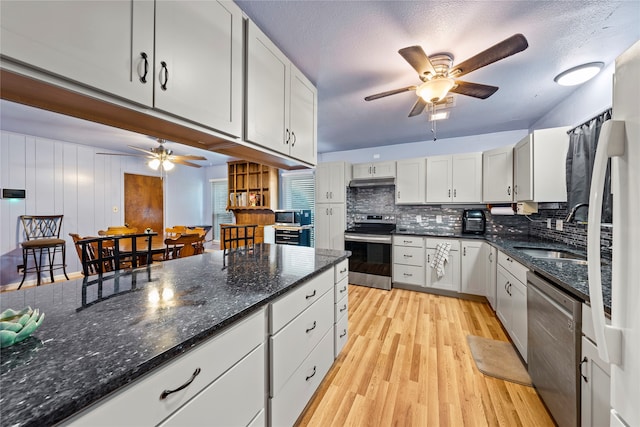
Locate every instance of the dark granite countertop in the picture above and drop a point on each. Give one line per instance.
(568, 276)
(98, 337)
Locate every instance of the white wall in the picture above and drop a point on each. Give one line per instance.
(70, 179)
(427, 148)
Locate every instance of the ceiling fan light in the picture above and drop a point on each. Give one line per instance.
(154, 164)
(436, 89)
(578, 75)
(167, 165)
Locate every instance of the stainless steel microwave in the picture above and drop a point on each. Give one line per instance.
(293, 217)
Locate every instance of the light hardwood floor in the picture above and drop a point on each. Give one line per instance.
(407, 363)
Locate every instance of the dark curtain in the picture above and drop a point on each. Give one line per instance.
(583, 141)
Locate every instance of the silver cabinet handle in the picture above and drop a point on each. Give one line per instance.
(166, 393)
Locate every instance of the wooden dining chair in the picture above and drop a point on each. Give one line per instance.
(183, 246)
(42, 234)
(117, 230)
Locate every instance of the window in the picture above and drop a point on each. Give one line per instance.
(219, 195)
(299, 192)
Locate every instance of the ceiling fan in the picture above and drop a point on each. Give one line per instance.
(161, 156)
(439, 76)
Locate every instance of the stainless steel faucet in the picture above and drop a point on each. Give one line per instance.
(573, 211)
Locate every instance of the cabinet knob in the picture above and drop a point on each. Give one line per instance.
(143, 79)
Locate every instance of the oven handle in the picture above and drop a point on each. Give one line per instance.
(367, 239)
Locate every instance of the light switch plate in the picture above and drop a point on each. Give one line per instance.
(549, 223)
(418, 218)
(439, 219)
(558, 224)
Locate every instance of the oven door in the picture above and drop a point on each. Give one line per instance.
(370, 260)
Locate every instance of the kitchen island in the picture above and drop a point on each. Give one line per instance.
(99, 336)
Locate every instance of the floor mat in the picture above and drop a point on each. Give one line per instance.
(498, 359)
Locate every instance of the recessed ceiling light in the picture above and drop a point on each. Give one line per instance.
(443, 115)
(580, 74)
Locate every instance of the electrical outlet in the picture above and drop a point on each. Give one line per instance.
(419, 218)
(439, 219)
(549, 223)
(558, 225)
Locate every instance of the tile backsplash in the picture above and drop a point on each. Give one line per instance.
(424, 218)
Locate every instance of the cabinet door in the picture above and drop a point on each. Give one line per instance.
(503, 310)
(362, 170)
(523, 169)
(337, 226)
(491, 278)
(384, 169)
(473, 268)
(518, 332)
(466, 178)
(595, 386)
(95, 43)
(439, 179)
(303, 113)
(330, 182)
(451, 279)
(497, 175)
(200, 44)
(267, 97)
(410, 181)
(322, 221)
(323, 182)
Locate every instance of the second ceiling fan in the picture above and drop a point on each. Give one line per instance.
(439, 77)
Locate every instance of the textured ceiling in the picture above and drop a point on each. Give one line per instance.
(348, 49)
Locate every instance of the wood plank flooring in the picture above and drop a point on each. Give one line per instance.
(407, 363)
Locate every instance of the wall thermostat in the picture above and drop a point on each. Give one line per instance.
(12, 193)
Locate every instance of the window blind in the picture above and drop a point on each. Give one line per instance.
(219, 196)
(298, 191)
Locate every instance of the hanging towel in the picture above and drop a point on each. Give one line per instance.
(441, 257)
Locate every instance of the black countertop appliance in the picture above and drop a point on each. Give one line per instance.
(473, 221)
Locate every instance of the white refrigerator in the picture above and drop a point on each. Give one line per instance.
(619, 343)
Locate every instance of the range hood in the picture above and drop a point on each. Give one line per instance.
(371, 182)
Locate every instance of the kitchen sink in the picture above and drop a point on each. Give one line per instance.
(553, 254)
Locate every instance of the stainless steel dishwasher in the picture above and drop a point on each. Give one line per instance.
(554, 328)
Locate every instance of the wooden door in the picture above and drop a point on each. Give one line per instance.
(143, 203)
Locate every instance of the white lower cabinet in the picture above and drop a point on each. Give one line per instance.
(473, 267)
(408, 260)
(341, 309)
(512, 300)
(450, 281)
(595, 377)
(491, 276)
(227, 366)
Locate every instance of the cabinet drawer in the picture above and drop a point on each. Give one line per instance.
(518, 270)
(288, 404)
(289, 347)
(341, 270)
(341, 289)
(293, 303)
(341, 308)
(341, 332)
(414, 241)
(408, 274)
(140, 404)
(408, 255)
(432, 243)
(232, 400)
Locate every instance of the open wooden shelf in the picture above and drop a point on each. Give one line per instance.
(252, 186)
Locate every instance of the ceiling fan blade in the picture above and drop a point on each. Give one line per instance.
(128, 155)
(419, 60)
(147, 152)
(389, 92)
(186, 157)
(505, 48)
(474, 89)
(185, 163)
(418, 107)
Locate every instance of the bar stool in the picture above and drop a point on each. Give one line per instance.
(237, 235)
(43, 235)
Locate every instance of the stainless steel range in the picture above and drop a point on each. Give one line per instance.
(369, 241)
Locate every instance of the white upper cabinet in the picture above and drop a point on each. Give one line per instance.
(281, 103)
(374, 170)
(195, 72)
(410, 181)
(454, 179)
(198, 62)
(497, 175)
(332, 179)
(540, 166)
(106, 45)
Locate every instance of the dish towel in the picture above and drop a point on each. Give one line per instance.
(441, 257)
